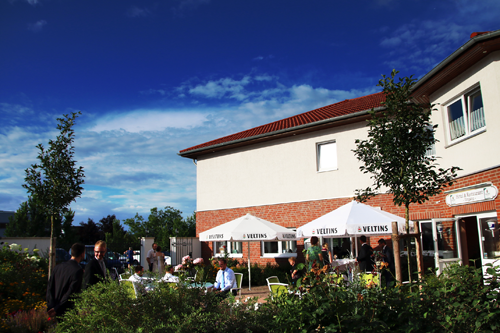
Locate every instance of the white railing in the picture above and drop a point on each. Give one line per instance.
(457, 128)
(477, 119)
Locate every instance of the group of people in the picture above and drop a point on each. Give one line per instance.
(320, 256)
(69, 278)
(156, 259)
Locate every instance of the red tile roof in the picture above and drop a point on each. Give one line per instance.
(346, 107)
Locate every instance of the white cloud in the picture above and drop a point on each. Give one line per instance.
(148, 120)
(37, 26)
(135, 11)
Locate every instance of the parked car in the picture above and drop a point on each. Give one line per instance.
(62, 255)
(112, 259)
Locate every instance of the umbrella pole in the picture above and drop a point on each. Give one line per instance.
(356, 244)
(249, 275)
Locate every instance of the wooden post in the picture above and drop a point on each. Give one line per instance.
(397, 252)
(418, 249)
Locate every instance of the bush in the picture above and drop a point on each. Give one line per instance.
(23, 281)
(456, 301)
(108, 308)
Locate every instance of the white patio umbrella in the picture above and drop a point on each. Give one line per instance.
(353, 219)
(247, 228)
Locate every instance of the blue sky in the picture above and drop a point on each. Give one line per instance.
(154, 77)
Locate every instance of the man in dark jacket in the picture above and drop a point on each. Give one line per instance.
(365, 256)
(65, 281)
(388, 257)
(95, 270)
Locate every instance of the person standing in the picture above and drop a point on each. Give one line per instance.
(159, 261)
(95, 271)
(150, 256)
(388, 257)
(65, 281)
(313, 254)
(327, 255)
(365, 256)
(225, 279)
(130, 256)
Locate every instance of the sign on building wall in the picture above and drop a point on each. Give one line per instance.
(478, 194)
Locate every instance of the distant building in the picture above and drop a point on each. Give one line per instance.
(4, 220)
(297, 169)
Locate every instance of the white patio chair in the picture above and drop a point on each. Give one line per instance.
(272, 279)
(239, 280)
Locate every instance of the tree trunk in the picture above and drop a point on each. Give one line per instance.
(408, 240)
(397, 252)
(52, 248)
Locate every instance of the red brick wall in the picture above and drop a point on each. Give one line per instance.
(299, 213)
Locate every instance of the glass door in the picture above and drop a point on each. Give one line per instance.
(446, 239)
(490, 239)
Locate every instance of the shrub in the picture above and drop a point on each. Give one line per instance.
(23, 280)
(108, 308)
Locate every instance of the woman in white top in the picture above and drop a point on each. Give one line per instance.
(159, 261)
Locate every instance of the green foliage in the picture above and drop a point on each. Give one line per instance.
(456, 301)
(118, 239)
(56, 181)
(31, 220)
(23, 280)
(109, 308)
(163, 224)
(395, 151)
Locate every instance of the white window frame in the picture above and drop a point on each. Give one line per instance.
(279, 254)
(465, 100)
(228, 248)
(332, 149)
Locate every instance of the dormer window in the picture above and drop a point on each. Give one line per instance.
(466, 115)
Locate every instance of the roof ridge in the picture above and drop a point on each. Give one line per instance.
(322, 113)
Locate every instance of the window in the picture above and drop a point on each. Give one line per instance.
(466, 115)
(233, 248)
(279, 248)
(431, 151)
(326, 156)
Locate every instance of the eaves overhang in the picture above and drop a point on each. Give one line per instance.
(296, 130)
(456, 63)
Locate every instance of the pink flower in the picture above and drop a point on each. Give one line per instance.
(178, 267)
(198, 261)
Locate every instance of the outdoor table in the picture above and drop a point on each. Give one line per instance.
(342, 263)
(205, 285)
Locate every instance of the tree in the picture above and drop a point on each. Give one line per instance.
(119, 240)
(162, 224)
(106, 225)
(395, 153)
(89, 233)
(56, 181)
(30, 220)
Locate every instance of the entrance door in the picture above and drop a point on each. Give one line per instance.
(447, 246)
(490, 239)
(471, 249)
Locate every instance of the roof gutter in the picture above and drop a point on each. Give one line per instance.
(286, 130)
(455, 55)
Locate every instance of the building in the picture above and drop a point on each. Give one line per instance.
(296, 169)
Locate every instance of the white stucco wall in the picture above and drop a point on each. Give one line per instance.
(482, 150)
(280, 171)
(284, 170)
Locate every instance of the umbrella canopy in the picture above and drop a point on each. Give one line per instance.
(353, 219)
(247, 228)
